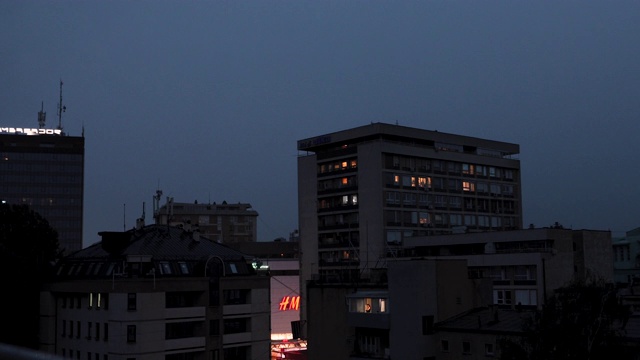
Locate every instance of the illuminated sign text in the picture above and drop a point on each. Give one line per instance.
(290, 303)
(30, 131)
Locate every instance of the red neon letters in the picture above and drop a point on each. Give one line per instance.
(290, 303)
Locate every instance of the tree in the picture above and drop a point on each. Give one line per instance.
(28, 249)
(581, 321)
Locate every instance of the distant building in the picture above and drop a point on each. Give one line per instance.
(280, 259)
(224, 223)
(364, 192)
(44, 169)
(626, 258)
(156, 292)
(435, 278)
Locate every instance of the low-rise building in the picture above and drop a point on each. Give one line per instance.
(156, 292)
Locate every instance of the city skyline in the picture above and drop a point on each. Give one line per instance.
(206, 100)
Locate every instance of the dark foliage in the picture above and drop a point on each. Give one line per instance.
(28, 249)
(582, 321)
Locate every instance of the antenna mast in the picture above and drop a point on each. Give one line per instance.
(61, 108)
(42, 116)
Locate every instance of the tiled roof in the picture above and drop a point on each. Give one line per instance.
(163, 243)
(490, 320)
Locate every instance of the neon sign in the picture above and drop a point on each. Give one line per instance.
(290, 303)
(30, 131)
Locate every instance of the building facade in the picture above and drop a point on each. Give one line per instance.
(363, 192)
(626, 258)
(44, 169)
(156, 292)
(223, 223)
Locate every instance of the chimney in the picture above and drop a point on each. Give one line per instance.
(196, 233)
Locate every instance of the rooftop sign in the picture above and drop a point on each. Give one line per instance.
(29, 131)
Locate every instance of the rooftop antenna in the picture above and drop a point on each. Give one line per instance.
(61, 108)
(42, 116)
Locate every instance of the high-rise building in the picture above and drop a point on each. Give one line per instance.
(363, 191)
(44, 169)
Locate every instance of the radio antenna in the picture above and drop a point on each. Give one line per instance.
(61, 108)
(42, 116)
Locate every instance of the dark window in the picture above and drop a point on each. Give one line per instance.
(182, 330)
(466, 347)
(444, 344)
(239, 352)
(132, 301)
(232, 326)
(106, 332)
(97, 331)
(236, 296)
(214, 327)
(131, 333)
(427, 325)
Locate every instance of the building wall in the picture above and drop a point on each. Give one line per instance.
(329, 336)
(308, 223)
(46, 172)
(421, 293)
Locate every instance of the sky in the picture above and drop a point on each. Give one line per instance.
(206, 100)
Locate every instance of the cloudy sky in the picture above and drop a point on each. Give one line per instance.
(206, 100)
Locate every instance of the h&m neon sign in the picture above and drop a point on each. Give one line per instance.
(290, 303)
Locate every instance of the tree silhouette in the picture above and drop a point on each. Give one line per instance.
(28, 249)
(581, 321)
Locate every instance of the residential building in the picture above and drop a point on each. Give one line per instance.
(523, 266)
(224, 223)
(435, 278)
(44, 169)
(626, 258)
(364, 192)
(156, 292)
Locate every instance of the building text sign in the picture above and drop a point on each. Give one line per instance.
(30, 131)
(290, 303)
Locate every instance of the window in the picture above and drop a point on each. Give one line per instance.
(526, 297)
(488, 349)
(132, 301)
(444, 345)
(97, 331)
(79, 330)
(234, 326)
(70, 328)
(131, 333)
(165, 268)
(466, 347)
(106, 332)
(89, 329)
(502, 297)
(184, 269)
(468, 186)
(64, 327)
(427, 325)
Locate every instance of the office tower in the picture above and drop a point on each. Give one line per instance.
(44, 169)
(363, 191)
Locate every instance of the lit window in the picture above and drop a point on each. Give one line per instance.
(344, 164)
(345, 181)
(354, 199)
(354, 164)
(345, 200)
(468, 186)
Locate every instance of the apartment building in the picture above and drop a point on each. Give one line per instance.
(224, 223)
(156, 292)
(364, 192)
(44, 169)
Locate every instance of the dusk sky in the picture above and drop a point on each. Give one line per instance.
(205, 100)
